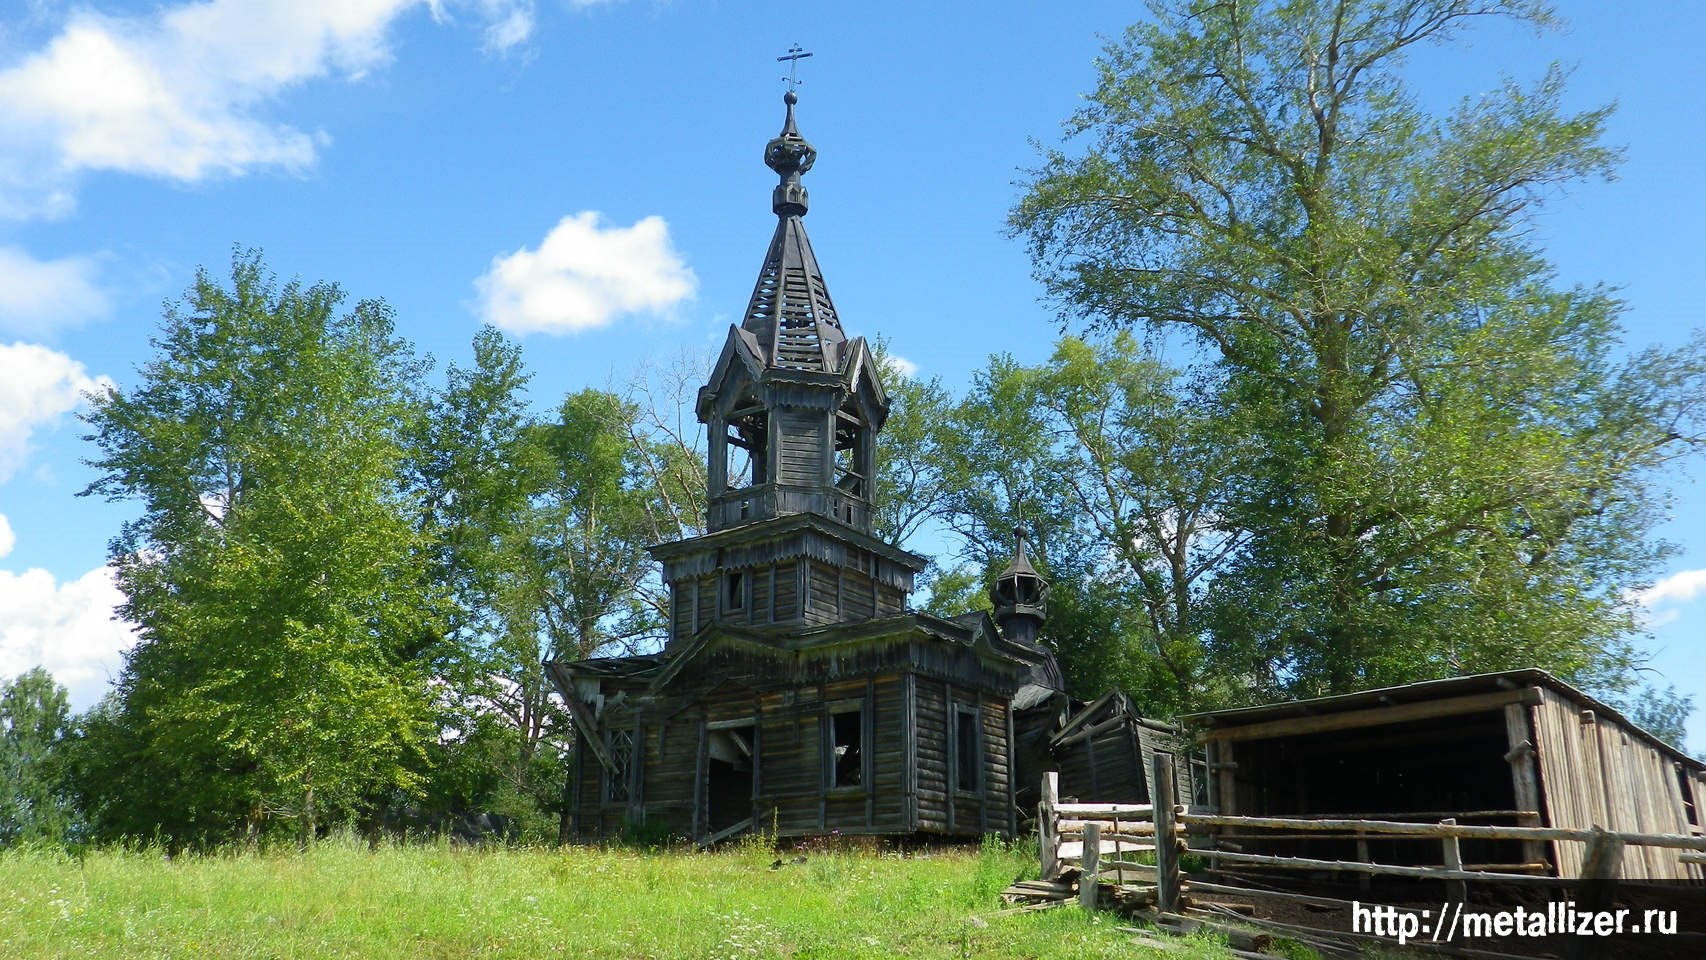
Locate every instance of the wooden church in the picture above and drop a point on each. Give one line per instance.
(797, 692)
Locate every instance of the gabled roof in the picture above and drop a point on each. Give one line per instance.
(976, 633)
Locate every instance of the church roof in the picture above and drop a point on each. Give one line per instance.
(791, 315)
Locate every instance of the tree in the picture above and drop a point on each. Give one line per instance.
(541, 525)
(1456, 464)
(1130, 468)
(35, 720)
(275, 573)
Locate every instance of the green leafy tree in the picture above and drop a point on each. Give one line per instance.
(909, 489)
(276, 573)
(1137, 467)
(541, 525)
(35, 723)
(1662, 713)
(1455, 460)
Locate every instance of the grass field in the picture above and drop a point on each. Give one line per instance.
(343, 900)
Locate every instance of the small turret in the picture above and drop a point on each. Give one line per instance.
(1019, 595)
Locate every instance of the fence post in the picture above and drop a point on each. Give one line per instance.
(1166, 846)
(1087, 882)
(1048, 829)
(1600, 864)
(1364, 881)
(1456, 889)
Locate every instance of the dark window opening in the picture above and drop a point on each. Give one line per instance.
(847, 754)
(1688, 799)
(735, 596)
(621, 745)
(852, 455)
(747, 444)
(967, 752)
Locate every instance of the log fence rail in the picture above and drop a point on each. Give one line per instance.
(1097, 842)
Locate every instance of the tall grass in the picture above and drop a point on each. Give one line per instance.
(342, 899)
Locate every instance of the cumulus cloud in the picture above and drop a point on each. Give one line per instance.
(37, 387)
(1663, 597)
(41, 295)
(584, 275)
(68, 628)
(181, 93)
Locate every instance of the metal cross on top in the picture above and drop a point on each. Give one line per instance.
(794, 55)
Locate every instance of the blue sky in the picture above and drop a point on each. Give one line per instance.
(589, 174)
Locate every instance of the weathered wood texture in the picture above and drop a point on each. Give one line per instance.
(1595, 772)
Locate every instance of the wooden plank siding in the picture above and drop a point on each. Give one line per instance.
(932, 747)
(823, 593)
(707, 597)
(787, 602)
(996, 814)
(889, 755)
(801, 458)
(1595, 772)
(791, 775)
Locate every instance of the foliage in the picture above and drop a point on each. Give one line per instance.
(1447, 463)
(35, 721)
(275, 573)
(1662, 713)
(541, 525)
(909, 488)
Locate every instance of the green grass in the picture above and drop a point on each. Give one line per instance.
(343, 900)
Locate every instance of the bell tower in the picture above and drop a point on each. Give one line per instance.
(793, 406)
(792, 409)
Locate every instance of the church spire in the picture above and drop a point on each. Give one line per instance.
(790, 315)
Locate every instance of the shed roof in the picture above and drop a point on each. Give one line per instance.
(1429, 690)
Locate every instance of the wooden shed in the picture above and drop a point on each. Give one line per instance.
(797, 692)
(1103, 752)
(1516, 748)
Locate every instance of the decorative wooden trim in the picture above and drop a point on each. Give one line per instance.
(868, 750)
(699, 775)
(909, 734)
(1012, 789)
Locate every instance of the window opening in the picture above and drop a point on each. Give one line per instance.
(736, 595)
(852, 455)
(967, 752)
(621, 744)
(847, 753)
(748, 440)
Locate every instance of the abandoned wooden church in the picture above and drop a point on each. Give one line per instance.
(797, 691)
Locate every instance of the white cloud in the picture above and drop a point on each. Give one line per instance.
(901, 365)
(508, 23)
(181, 93)
(40, 295)
(1663, 597)
(68, 628)
(584, 275)
(37, 387)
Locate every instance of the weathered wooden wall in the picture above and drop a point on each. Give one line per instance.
(1596, 772)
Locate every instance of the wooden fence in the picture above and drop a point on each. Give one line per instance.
(1103, 839)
